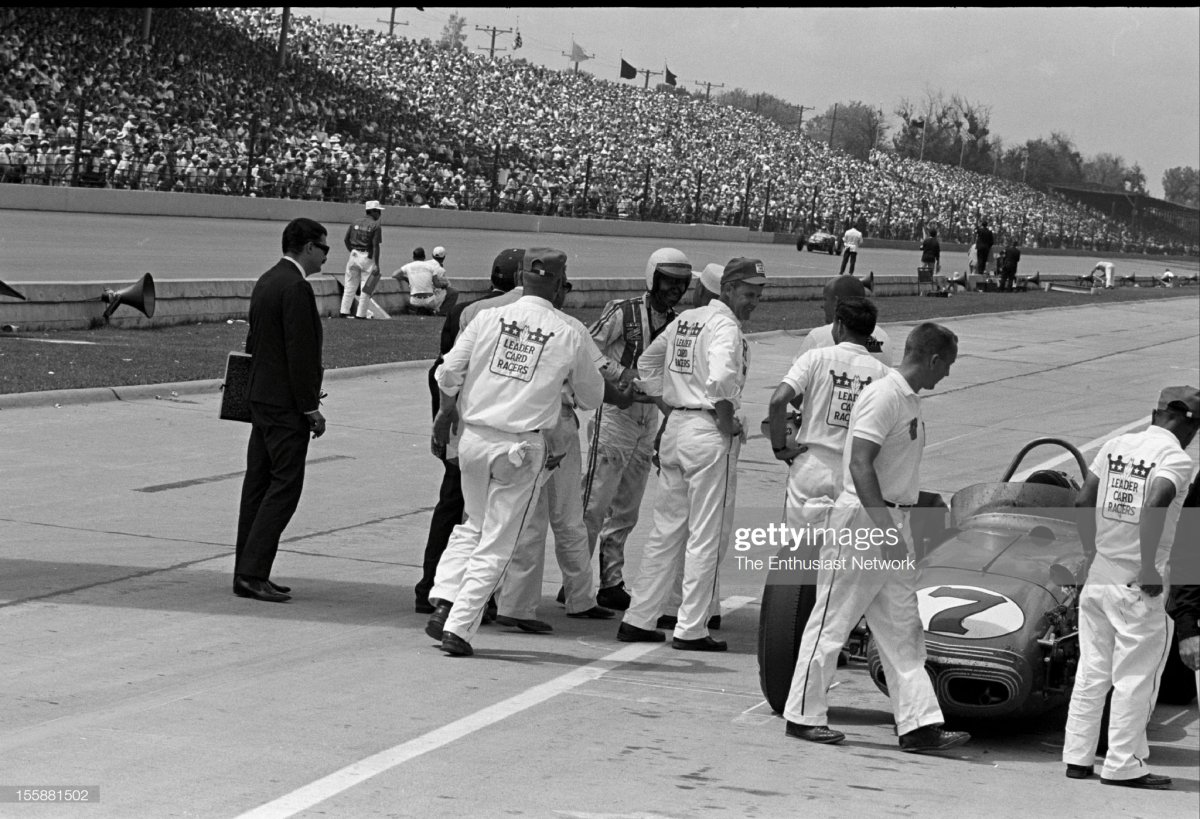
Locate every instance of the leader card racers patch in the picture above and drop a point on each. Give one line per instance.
(518, 351)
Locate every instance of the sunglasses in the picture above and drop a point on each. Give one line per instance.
(323, 248)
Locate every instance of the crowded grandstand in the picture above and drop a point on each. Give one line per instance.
(195, 100)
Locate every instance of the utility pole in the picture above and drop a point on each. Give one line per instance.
(833, 125)
(800, 122)
(392, 22)
(708, 87)
(491, 50)
(648, 74)
(284, 25)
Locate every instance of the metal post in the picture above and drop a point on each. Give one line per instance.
(833, 125)
(495, 176)
(284, 24)
(387, 166)
(147, 15)
(645, 193)
(766, 204)
(83, 85)
(250, 157)
(587, 182)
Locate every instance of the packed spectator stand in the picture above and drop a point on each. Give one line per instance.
(202, 106)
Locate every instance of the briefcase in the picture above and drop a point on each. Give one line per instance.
(235, 391)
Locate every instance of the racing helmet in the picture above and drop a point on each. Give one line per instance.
(669, 262)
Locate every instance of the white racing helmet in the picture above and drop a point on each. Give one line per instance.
(669, 262)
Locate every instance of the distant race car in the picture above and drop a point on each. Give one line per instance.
(821, 240)
(996, 590)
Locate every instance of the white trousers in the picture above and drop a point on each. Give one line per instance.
(693, 517)
(559, 508)
(812, 487)
(358, 270)
(1124, 636)
(498, 495)
(888, 598)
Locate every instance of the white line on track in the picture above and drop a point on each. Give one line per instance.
(358, 772)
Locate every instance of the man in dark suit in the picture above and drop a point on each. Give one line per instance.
(284, 391)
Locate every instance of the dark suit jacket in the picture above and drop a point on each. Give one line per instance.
(285, 339)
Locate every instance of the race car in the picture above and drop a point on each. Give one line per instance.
(997, 594)
(821, 240)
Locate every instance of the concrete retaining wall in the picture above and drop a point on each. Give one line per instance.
(77, 305)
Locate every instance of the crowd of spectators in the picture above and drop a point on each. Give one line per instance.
(354, 115)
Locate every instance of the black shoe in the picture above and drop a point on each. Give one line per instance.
(1151, 782)
(561, 597)
(257, 589)
(614, 597)
(456, 646)
(1079, 771)
(344, 315)
(594, 613)
(714, 623)
(932, 738)
(822, 734)
(489, 612)
(530, 626)
(705, 643)
(437, 620)
(423, 606)
(632, 634)
(279, 588)
(667, 621)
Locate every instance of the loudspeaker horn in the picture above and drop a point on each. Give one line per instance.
(139, 296)
(1130, 280)
(957, 279)
(869, 282)
(5, 290)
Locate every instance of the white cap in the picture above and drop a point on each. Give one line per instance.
(373, 205)
(710, 277)
(439, 252)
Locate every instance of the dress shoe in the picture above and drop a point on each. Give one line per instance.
(279, 588)
(632, 634)
(667, 621)
(437, 620)
(530, 626)
(257, 589)
(594, 613)
(705, 643)
(1151, 782)
(456, 646)
(822, 734)
(1079, 771)
(561, 597)
(614, 597)
(932, 738)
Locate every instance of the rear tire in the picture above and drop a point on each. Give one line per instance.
(786, 605)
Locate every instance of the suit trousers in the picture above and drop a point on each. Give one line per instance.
(559, 508)
(446, 515)
(693, 515)
(1124, 637)
(275, 458)
(888, 598)
(502, 474)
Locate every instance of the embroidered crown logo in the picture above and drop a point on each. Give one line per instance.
(687, 328)
(538, 337)
(1140, 470)
(1116, 467)
(513, 329)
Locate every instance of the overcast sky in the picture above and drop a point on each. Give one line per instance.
(1123, 81)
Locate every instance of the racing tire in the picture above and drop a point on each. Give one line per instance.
(832, 250)
(799, 244)
(785, 608)
(810, 248)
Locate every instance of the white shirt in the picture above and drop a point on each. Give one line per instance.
(424, 277)
(830, 379)
(823, 337)
(700, 359)
(512, 362)
(852, 239)
(1127, 466)
(888, 413)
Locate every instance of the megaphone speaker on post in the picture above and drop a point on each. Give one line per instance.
(139, 296)
(869, 282)
(5, 290)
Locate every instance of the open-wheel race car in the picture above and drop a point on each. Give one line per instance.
(996, 589)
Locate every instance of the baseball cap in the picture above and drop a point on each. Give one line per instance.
(373, 205)
(746, 271)
(1181, 399)
(710, 278)
(439, 252)
(550, 262)
(505, 267)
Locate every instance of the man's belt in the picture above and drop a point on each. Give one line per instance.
(420, 295)
(891, 505)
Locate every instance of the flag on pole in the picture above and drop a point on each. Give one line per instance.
(517, 42)
(578, 55)
(918, 123)
(628, 72)
(670, 77)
